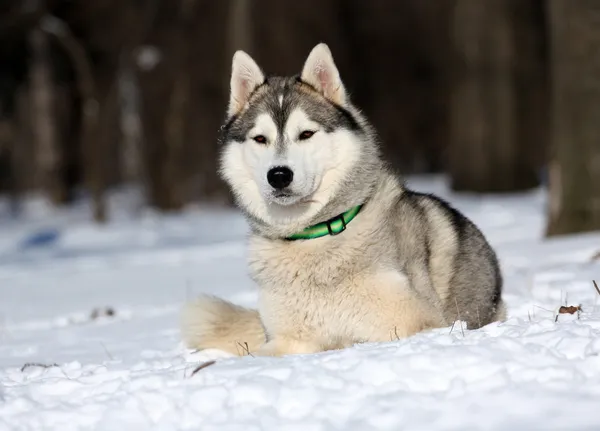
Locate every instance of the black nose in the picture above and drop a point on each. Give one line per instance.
(280, 177)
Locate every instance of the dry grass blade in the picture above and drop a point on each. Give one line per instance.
(245, 348)
(462, 330)
(107, 352)
(202, 366)
(542, 308)
(452, 327)
(596, 286)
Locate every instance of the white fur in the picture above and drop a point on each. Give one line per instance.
(319, 165)
(245, 77)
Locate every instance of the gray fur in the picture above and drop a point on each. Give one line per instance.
(265, 99)
(299, 94)
(408, 261)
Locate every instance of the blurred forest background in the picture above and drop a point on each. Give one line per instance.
(501, 95)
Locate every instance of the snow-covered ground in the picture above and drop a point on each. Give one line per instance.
(102, 304)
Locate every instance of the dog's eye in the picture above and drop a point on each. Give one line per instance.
(307, 134)
(260, 139)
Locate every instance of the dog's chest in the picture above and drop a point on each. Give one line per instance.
(319, 265)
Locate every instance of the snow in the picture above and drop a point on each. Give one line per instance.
(102, 304)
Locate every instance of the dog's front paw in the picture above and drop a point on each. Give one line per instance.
(287, 346)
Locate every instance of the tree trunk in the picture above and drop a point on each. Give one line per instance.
(489, 138)
(398, 50)
(7, 174)
(532, 82)
(208, 97)
(22, 149)
(129, 151)
(97, 34)
(44, 118)
(575, 167)
(162, 74)
(91, 147)
(106, 138)
(239, 25)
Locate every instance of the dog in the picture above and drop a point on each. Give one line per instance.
(341, 250)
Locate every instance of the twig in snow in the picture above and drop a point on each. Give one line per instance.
(202, 366)
(106, 351)
(101, 312)
(37, 364)
(542, 308)
(595, 297)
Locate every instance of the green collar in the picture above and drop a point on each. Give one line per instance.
(332, 226)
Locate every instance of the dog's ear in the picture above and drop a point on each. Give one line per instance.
(245, 77)
(321, 72)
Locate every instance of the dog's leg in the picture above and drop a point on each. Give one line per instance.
(405, 319)
(281, 345)
(390, 308)
(412, 315)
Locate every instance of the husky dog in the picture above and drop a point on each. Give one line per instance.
(341, 250)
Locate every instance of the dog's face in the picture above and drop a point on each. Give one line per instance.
(290, 143)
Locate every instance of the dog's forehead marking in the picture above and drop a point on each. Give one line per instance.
(277, 98)
(297, 122)
(265, 125)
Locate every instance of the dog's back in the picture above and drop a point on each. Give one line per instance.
(463, 267)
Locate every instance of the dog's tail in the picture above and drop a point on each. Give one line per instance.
(213, 323)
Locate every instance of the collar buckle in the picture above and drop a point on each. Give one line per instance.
(330, 229)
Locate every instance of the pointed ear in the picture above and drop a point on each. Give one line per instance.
(245, 77)
(320, 72)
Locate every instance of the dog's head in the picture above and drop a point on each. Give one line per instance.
(296, 150)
